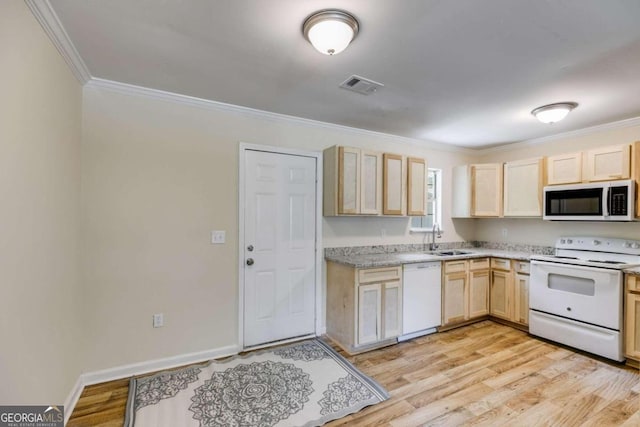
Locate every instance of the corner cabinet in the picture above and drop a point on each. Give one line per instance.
(486, 190)
(352, 181)
(394, 184)
(632, 318)
(523, 184)
(364, 306)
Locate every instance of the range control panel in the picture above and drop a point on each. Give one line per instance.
(599, 244)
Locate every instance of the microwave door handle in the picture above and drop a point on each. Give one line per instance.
(608, 202)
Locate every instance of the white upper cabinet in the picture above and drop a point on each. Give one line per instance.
(486, 190)
(608, 163)
(416, 186)
(523, 183)
(564, 168)
(461, 197)
(394, 183)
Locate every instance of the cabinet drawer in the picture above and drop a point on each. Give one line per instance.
(522, 267)
(501, 264)
(633, 283)
(479, 264)
(455, 266)
(385, 274)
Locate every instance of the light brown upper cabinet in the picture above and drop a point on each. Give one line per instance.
(486, 190)
(371, 183)
(608, 163)
(523, 183)
(352, 181)
(416, 186)
(394, 183)
(564, 168)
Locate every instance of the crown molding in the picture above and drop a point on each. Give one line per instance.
(128, 89)
(620, 124)
(46, 16)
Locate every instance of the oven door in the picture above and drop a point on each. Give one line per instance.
(587, 294)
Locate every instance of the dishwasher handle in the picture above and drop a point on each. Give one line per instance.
(432, 264)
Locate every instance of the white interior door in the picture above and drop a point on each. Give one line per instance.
(279, 246)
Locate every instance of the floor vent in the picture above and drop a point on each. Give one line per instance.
(361, 85)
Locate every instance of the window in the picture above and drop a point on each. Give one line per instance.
(434, 203)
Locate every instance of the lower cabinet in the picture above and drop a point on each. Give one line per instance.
(510, 290)
(632, 318)
(364, 306)
(465, 290)
(521, 285)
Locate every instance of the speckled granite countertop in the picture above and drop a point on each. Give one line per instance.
(399, 258)
(634, 270)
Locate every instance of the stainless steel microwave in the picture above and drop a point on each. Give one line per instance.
(595, 201)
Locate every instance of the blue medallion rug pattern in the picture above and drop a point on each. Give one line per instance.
(303, 384)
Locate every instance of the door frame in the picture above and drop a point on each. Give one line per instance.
(317, 155)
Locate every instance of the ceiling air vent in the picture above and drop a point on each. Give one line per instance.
(361, 85)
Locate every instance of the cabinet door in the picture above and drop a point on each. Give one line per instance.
(454, 299)
(500, 291)
(486, 190)
(416, 186)
(478, 293)
(564, 168)
(523, 183)
(393, 184)
(609, 163)
(521, 311)
(371, 183)
(392, 310)
(461, 197)
(348, 180)
(632, 325)
(369, 313)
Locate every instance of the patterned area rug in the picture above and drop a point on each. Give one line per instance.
(303, 384)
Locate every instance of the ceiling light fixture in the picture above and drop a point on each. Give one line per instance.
(330, 31)
(553, 112)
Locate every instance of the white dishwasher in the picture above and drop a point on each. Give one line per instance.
(421, 299)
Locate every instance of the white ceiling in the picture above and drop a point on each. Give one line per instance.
(462, 72)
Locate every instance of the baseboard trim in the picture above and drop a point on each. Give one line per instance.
(125, 371)
(140, 368)
(71, 400)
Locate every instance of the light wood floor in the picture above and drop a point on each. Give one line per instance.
(483, 374)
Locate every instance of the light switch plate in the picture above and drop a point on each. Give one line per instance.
(218, 237)
(158, 320)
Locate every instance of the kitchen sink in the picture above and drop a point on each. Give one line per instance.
(451, 253)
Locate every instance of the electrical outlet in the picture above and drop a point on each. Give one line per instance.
(217, 237)
(505, 232)
(158, 320)
(383, 233)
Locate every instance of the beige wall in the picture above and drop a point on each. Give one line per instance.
(158, 176)
(537, 231)
(41, 339)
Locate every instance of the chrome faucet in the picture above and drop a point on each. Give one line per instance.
(436, 229)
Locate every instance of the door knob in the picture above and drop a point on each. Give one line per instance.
(249, 261)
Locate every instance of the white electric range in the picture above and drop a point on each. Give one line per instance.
(576, 295)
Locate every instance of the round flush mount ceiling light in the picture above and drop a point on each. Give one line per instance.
(330, 31)
(553, 112)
